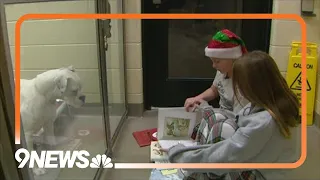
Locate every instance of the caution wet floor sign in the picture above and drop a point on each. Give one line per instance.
(293, 76)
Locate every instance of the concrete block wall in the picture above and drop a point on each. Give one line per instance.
(285, 31)
(133, 58)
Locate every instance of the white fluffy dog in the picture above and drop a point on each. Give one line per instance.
(38, 102)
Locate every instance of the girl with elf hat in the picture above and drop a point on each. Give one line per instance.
(223, 49)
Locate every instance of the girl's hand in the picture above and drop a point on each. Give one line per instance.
(167, 150)
(164, 150)
(191, 103)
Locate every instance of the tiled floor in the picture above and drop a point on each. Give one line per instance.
(127, 150)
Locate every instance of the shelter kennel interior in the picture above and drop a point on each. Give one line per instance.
(53, 44)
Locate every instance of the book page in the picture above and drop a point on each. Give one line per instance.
(175, 124)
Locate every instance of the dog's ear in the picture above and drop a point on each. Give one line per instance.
(62, 83)
(71, 68)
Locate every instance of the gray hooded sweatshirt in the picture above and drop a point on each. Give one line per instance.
(257, 140)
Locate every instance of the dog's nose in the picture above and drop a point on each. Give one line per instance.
(82, 98)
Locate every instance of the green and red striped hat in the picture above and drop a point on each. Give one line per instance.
(225, 45)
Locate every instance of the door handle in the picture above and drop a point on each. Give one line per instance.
(171, 3)
(156, 1)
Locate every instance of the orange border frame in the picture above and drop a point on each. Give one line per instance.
(178, 16)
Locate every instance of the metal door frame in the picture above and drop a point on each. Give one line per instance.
(102, 68)
(102, 29)
(8, 147)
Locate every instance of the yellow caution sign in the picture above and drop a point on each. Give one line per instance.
(293, 76)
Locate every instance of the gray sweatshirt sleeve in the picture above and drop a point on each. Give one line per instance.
(245, 144)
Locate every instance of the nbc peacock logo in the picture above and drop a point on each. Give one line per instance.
(101, 161)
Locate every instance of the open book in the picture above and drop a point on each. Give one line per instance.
(175, 125)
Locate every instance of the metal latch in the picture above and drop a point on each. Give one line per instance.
(106, 32)
(106, 26)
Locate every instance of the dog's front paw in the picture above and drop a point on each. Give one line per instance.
(39, 171)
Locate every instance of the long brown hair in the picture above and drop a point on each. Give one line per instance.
(257, 77)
